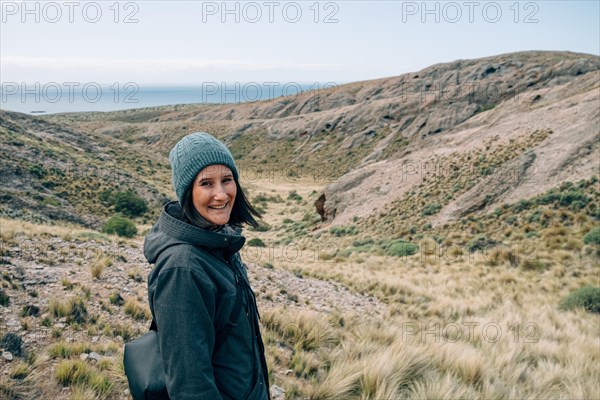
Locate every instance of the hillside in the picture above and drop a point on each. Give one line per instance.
(532, 116)
(413, 245)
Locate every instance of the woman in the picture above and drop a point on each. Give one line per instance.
(198, 290)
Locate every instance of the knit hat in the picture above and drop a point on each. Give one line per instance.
(192, 154)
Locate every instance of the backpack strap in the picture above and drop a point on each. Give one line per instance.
(235, 313)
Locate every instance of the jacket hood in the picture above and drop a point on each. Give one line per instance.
(171, 229)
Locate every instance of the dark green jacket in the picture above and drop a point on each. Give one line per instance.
(192, 291)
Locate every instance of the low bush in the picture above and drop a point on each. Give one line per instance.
(256, 242)
(400, 248)
(262, 227)
(480, 243)
(129, 203)
(430, 209)
(12, 343)
(587, 297)
(120, 226)
(593, 236)
(294, 196)
(343, 230)
(4, 299)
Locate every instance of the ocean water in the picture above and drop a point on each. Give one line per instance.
(64, 97)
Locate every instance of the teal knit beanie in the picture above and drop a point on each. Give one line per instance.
(192, 154)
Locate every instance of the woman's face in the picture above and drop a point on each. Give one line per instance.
(213, 193)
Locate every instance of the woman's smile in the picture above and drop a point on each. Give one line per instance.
(219, 207)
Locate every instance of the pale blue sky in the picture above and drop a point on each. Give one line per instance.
(171, 44)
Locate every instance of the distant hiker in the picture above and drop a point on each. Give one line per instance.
(198, 291)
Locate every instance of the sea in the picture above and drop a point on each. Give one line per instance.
(66, 97)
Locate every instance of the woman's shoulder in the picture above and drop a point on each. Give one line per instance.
(185, 255)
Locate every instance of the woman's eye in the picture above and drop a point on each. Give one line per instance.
(205, 183)
(227, 179)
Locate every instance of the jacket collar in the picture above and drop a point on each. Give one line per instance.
(170, 222)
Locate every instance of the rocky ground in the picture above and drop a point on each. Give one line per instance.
(38, 272)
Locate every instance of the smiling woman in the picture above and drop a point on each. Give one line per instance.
(212, 195)
(209, 348)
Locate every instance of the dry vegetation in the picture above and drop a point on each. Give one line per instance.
(457, 324)
(467, 318)
(501, 303)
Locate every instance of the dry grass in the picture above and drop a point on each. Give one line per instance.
(133, 308)
(458, 325)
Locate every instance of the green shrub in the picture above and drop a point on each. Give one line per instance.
(574, 198)
(565, 196)
(343, 230)
(38, 171)
(106, 196)
(401, 249)
(430, 209)
(294, 196)
(362, 242)
(549, 197)
(121, 226)
(256, 242)
(480, 243)
(129, 203)
(4, 299)
(593, 236)
(522, 205)
(12, 343)
(587, 297)
(534, 216)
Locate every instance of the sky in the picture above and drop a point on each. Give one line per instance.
(194, 42)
